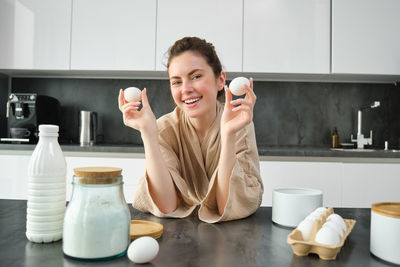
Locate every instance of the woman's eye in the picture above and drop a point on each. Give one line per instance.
(195, 77)
(175, 82)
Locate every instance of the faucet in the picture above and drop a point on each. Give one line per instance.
(361, 141)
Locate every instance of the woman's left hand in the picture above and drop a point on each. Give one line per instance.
(237, 113)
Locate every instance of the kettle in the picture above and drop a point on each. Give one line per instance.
(87, 127)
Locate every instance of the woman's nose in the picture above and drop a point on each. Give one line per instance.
(187, 86)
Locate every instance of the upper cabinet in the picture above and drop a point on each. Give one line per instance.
(285, 36)
(35, 34)
(113, 35)
(217, 21)
(366, 36)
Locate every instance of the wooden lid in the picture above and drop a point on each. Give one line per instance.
(141, 228)
(97, 175)
(391, 209)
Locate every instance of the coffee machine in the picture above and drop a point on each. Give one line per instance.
(25, 112)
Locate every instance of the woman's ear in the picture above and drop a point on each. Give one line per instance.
(221, 81)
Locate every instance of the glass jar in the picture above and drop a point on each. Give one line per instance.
(97, 219)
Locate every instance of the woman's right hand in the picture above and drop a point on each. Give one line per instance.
(142, 120)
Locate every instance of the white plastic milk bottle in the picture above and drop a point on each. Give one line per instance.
(46, 188)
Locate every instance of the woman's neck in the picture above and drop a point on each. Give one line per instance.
(203, 124)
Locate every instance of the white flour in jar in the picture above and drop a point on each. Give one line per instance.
(96, 223)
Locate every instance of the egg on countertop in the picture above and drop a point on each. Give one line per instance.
(335, 227)
(327, 236)
(143, 249)
(132, 94)
(236, 85)
(305, 227)
(338, 220)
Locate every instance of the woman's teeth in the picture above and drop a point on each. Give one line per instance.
(190, 101)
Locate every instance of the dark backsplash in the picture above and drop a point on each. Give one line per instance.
(286, 113)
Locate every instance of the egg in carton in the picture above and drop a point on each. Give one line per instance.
(330, 247)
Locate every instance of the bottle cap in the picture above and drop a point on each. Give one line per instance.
(48, 130)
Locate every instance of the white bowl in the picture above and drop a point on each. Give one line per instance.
(385, 231)
(291, 205)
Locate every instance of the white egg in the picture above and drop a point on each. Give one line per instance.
(305, 227)
(338, 220)
(313, 216)
(334, 226)
(236, 85)
(320, 210)
(132, 94)
(143, 249)
(327, 236)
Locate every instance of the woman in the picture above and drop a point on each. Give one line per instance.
(204, 152)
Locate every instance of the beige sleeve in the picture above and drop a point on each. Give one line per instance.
(143, 200)
(245, 187)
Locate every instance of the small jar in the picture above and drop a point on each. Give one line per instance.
(385, 231)
(97, 219)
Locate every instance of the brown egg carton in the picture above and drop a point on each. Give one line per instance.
(325, 252)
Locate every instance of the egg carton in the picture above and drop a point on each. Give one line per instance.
(325, 252)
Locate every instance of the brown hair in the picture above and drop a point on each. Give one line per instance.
(203, 48)
(197, 45)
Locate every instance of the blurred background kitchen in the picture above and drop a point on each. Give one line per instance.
(315, 63)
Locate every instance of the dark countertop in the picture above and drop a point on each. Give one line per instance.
(254, 241)
(277, 151)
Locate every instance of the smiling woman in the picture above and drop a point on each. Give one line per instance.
(204, 152)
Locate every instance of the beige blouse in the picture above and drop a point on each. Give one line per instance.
(194, 166)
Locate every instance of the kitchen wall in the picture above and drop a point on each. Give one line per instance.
(286, 113)
(3, 101)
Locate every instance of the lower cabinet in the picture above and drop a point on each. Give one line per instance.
(344, 184)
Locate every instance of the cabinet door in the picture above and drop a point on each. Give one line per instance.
(323, 176)
(364, 184)
(113, 35)
(35, 34)
(286, 36)
(366, 36)
(217, 21)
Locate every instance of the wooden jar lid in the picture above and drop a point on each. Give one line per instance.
(141, 228)
(98, 175)
(391, 209)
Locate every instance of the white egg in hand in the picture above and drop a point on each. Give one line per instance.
(236, 85)
(143, 249)
(132, 94)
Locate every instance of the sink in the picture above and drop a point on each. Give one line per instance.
(364, 150)
(356, 149)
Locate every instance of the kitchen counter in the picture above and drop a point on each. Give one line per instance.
(254, 241)
(264, 151)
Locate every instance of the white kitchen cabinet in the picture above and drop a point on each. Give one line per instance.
(366, 37)
(323, 176)
(35, 34)
(14, 177)
(364, 184)
(113, 35)
(285, 36)
(343, 184)
(219, 22)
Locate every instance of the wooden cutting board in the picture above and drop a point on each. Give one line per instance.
(141, 228)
